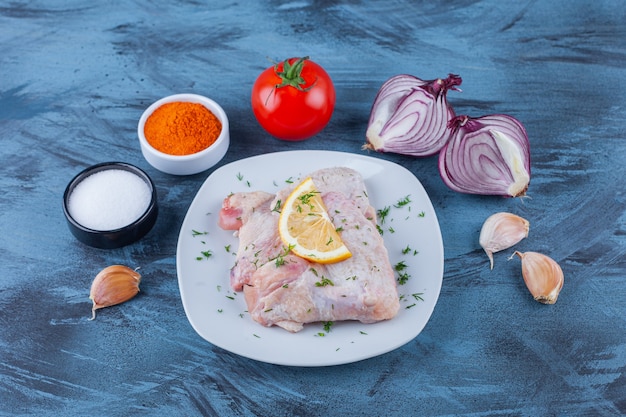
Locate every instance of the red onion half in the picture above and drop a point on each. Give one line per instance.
(410, 116)
(488, 155)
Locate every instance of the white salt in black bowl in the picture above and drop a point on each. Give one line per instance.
(110, 205)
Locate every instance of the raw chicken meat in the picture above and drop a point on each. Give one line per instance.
(285, 290)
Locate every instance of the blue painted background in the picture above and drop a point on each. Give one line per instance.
(75, 77)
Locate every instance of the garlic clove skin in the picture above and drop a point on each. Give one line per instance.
(501, 231)
(113, 285)
(543, 276)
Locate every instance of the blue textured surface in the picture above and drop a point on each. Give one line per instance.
(74, 79)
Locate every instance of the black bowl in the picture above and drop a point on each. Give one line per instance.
(111, 239)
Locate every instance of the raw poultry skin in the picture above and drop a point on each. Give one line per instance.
(285, 290)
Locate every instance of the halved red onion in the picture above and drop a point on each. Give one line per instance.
(488, 155)
(410, 116)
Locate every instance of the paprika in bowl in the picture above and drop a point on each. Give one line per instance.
(183, 134)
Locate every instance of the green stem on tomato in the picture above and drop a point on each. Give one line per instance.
(292, 75)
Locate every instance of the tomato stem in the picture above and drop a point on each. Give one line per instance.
(291, 75)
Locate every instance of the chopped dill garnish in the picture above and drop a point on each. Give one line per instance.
(280, 259)
(306, 198)
(324, 282)
(403, 278)
(382, 214)
(402, 202)
(400, 266)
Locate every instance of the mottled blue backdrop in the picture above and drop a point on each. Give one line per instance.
(75, 77)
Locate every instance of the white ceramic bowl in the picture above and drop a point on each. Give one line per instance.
(185, 164)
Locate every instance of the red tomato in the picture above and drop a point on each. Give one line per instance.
(294, 99)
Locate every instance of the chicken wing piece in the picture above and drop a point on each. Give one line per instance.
(284, 290)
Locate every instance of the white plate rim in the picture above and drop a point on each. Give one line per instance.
(225, 323)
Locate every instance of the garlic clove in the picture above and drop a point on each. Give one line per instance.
(501, 231)
(113, 285)
(542, 275)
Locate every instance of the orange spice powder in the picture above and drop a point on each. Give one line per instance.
(182, 128)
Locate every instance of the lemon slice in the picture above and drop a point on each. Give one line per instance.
(305, 227)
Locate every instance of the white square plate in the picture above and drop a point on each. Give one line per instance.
(206, 253)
